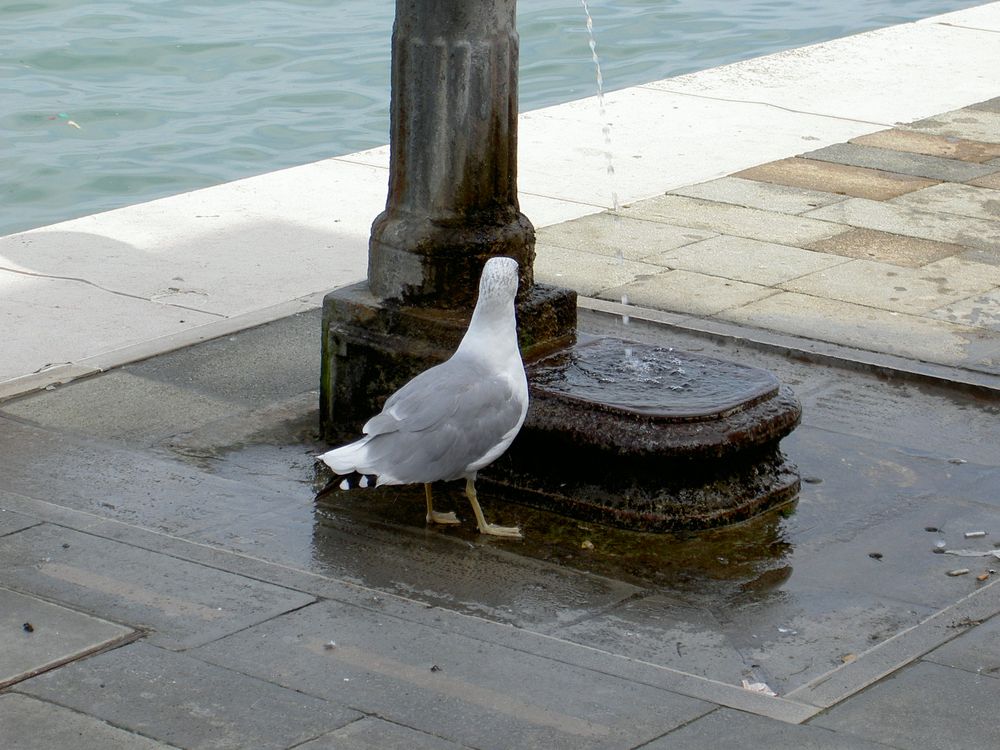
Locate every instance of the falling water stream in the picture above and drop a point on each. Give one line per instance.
(605, 125)
(608, 158)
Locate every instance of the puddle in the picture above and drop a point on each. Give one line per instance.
(783, 597)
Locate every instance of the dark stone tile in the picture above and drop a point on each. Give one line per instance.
(378, 538)
(259, 366)
(977, 650)
(371, 733)
(112, 482)
(30, 724)
(184, 603)
(660, 630)
(450, 685)
(726, 728)
(923, 707)
(11, 521)
(183, 701)
(37, 635)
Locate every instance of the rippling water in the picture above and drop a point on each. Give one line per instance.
(109, 103)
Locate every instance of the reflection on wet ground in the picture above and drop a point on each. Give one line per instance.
(783, 598)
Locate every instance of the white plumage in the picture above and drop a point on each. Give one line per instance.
(457, 417)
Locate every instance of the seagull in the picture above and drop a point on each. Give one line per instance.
(456, 417)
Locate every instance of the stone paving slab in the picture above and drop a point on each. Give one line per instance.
(846, 418)
(613, 234)
(981, 234)
(960, 272)
(979, 125)
(923, 707)
(763, 195)
(742, 259)
(288, 352)
(185, 604)
(658, 142)
(183, 701)
(102, 319)
(727, 728)
(991, 181)
(982, 310)
(196, 390)
(842, 179)
(848, 77)
(884, 247)
(372, 733)
(964, 200)
(57, 635)
(143, 398)
(990, 105)
(191, 248)
(461, 689)
(914, 577)
(916, 142)
(11, 521)
(661, 629)
(725, 218)
(798, 636)
(139, 477)
(858, 326)
(976, 650)
(888, 287)
(30, 724)
(417, 608)
(688, 292)
(917, 165)
(474, 579)
(588, 273)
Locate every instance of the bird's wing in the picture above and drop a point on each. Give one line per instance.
(431, 397)
(435, 427)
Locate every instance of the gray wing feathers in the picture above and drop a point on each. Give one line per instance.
(439, 423)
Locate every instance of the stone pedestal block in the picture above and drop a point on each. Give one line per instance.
(650, 439)
(371, 347)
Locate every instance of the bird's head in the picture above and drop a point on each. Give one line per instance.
(499, 280)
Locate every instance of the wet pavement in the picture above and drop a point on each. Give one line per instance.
(172, 503)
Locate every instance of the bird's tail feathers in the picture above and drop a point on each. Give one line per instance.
(349, 458)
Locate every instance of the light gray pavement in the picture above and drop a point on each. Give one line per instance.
(184, 588)
(888, 248)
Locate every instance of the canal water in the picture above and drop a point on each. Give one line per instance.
(108, 103)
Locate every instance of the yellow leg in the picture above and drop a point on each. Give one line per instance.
(432, 515)
(488, 528)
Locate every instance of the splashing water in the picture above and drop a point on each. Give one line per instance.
(625, 320)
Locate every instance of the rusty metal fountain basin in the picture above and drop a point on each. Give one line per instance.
(650, 438)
